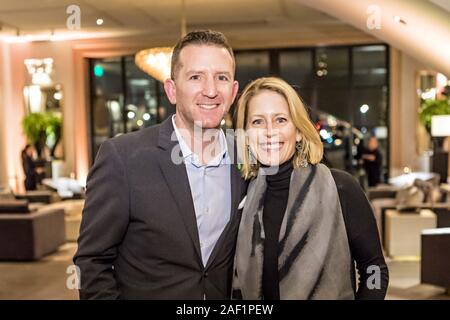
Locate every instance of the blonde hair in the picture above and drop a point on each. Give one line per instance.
(311, 148)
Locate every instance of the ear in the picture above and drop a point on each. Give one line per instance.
(171, 90)
(235, 89)
(298, 136)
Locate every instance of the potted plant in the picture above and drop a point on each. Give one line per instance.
(43, 129)
(431, 108)
(33, 125)
(53, 124)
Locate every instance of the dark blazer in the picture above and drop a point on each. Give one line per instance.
(138, 236)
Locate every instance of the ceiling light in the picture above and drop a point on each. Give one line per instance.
(157, 61)
(99, 21)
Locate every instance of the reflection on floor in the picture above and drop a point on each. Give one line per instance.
(47, 278)
(404, 283)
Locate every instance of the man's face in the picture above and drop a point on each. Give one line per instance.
(204, 86)
(373, 144)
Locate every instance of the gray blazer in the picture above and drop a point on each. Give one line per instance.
(138, 236)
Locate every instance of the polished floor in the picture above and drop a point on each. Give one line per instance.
(48, 278)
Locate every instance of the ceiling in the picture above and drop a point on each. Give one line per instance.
(247, 23)
(424, 35)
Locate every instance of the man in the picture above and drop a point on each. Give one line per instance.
(157, 226)
(372, 161)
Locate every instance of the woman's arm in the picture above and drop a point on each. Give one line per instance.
(363, 238)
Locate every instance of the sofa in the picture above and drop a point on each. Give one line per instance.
(421, 194)
(27, 235)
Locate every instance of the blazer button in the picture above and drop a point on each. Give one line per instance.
(205, 275)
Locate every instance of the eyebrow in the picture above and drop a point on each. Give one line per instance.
(203, 72)
(274, 115)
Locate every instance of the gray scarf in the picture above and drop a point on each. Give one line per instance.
(314, 260)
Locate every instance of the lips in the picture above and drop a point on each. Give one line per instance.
(208, 106)
(271, 146)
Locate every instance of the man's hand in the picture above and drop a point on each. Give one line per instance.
(369, 157)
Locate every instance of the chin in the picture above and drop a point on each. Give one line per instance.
(269, 159)
(210, 123)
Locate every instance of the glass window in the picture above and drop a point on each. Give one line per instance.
(369, 65)
(332, 67)
(334, 101)
(107, 100)
(250, 66)
(123, 99)
(347, 82)
(369, 107)
(141, 97)
(296, 67)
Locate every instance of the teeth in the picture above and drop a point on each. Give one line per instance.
(271, 146)
(208, 106)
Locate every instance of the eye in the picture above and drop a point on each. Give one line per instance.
(223, 77)
(281, 120)
(194, 77)
(257, 122)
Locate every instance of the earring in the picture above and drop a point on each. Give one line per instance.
(303, 161)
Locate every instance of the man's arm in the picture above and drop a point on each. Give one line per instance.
(104, 223)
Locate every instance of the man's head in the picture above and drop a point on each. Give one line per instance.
(373, 143)
(202, 37)
(202, 81)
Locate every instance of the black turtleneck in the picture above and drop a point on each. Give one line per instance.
(275, 203)
(359, 224)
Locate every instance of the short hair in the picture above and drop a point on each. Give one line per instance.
(199, 37)
(311, 146)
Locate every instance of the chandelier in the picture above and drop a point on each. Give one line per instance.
(156, 61)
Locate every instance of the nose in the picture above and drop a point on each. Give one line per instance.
(270, 130)
(210, 88)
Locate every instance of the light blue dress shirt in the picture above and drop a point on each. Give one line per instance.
(211, 192)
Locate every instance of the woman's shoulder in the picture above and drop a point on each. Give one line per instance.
(345, 182)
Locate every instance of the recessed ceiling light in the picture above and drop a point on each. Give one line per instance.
(398, 19)
(99, 21)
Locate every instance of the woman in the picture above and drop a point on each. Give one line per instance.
(29, 168)
(303, 225)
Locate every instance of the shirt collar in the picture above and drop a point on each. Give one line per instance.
(189, 156)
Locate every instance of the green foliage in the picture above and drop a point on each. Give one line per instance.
(53, 125)
(33, 126)
(42, 128)
(431, 108)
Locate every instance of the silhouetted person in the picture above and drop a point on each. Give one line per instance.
(372, 161)
(29, 168)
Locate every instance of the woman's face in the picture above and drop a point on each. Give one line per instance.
(272, 134)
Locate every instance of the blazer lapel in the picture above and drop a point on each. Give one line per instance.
(178, 183)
